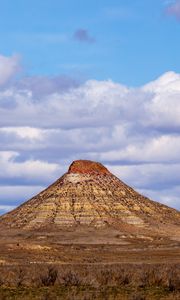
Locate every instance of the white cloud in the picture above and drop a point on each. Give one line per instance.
(164, 148)
(135, 131)
(23, 132)
(169, 82)
(158, 176)
(29, 169)
(95, 104)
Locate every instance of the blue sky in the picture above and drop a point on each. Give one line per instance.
(93, 80)
(135, 41)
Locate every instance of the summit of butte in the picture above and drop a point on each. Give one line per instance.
(87, 167)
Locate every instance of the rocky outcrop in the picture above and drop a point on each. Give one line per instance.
(87, 167)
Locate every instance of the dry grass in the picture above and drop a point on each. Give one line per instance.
(134, 282)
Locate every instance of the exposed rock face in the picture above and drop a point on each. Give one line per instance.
(87, 167)
(88, 194)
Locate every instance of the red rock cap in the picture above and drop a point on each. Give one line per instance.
(87, 167)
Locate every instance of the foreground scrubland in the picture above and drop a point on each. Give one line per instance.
(83, 282)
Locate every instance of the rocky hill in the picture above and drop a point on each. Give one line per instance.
(89, 195)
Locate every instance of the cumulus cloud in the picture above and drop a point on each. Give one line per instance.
(29, 171)
(163, 148)
(173, 9)
(82, 35)
(8, 68)
(134, 131)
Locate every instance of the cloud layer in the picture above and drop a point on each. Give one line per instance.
(45, 123)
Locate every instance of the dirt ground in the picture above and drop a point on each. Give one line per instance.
(87, 263)
(87, 245)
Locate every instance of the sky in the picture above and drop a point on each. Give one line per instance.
(93, 80)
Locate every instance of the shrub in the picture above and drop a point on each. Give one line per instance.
(49, 278)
